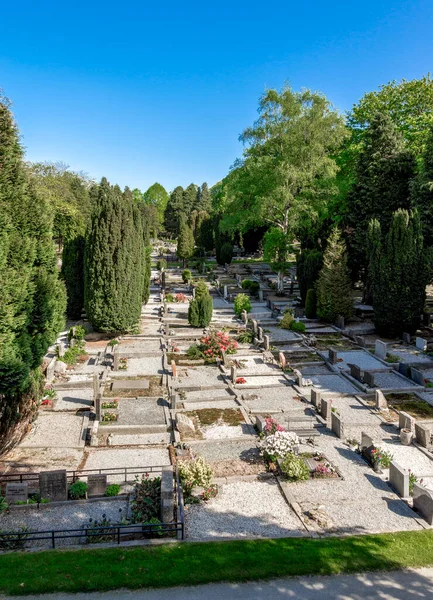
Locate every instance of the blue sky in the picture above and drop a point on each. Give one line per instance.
(143, 94)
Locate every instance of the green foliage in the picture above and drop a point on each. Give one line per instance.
(195, 472)
(294, 468)
(333, 286)
(297, 326)
(157, 196)
(399, 270)
(186, 275)
(73, 275)
(194, 352)
(242, 302)
(173, 211)
(78, 490)
(311, 304)
(161, 264)
(147, 499)
(287, 319)
(246, 337)
(185, 242)
(250, 285)
(201, 307)
(112, 490)
(147, 273)
(422, 190)
(3, 505)
(308, 265)
(226, 255)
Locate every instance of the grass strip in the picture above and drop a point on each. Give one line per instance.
(209, 562)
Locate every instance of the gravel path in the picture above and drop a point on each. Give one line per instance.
(243, 509)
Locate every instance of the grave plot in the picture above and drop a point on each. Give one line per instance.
(334, 340)
(295, 354)
(132, 387)
(354, 417)
(73, 400)
(139, 345)
(118, 458)
(214, 424)
(30, 459)
(257, 381)
(253, 365)
(411, 404)
(272, 400)
(409, 355)
(199, 377)
(407, 457)
(243, 510)
(218, 398)
(134, 366)
(361, 502)
(55, 430)
(329, 383)
(391, 380)
(282, 336)
(363, 359)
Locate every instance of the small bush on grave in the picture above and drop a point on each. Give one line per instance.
(195, 472)
(246, 337)
(3, 505)
(161, 264)
(294, 468)
(112, 490)
(146, 503)
(287, 319)
(194, 352)
(311, 304)
(297, 326)
(78, 490)
(246, 284)
(169, 298)
(278, 445)
(215, 343)
(242, 302)
(186, 275)
(201, 308)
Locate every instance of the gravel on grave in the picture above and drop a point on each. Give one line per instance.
(409, 354)
(73, 516)
(141, 411)
(223, 393)
(362, 358)
(149, 365)
(330, 383)
(392, 381)
(212, 403)
(141, 439)
(56, 430)
(354, 412)
(243, 510)
(110, 458)
(263, 381)
(408, 457)
(246, 450)
(223, 432)
(73, 399)
(205, 376)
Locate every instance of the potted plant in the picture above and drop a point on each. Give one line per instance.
(406, 437)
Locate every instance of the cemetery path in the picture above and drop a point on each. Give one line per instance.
(393, 585)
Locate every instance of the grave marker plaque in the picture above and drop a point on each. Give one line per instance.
(266, 341)
(53, 485)
(369, 378)
(97, 484)
(380, 349)
(333, 356)
(407, 338)
(355, 372)
(282, 359)
(399, 479)
(421, 344)
(17, 492)
(423, 435)
(380, 400)
(417, 376)
(423, 502)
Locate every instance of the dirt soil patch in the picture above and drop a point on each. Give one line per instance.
(214, 416)
(231, 468)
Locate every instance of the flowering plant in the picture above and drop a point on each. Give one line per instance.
(278, 445)
(240, 380)
(180, 298)
(271, 426)
(110, 404)
(209, 493)
(215, 343)
(381, 457)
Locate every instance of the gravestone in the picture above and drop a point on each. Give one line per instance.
(297, 376)
(96, 385)
(403, 369)
(50, 370)
(130, 384)
(380, 349)
(260, 295)
(340, 322)
(282, 360)
(244, 316)
(173, 368)
(61, 349)
(53, 485)
(355, 372)
(333, 356)
(366, 440)
(405, 421)
(260, 333)
(116, 358)
(183, 423)
(97, 401)
(233, 373)
(255, 326)
(260, 423)
(369, 378)
(17, 492)
(337, 425)
(417, 376)
(399, 479)
(267, 342)
(407, 338)
(421, 344)
(175, 399)
(423, 435)
(97, 484)
(316, 397)
(225, 292)
(380, 400)
(360, 340)
(423, 502)
(325, 409)
(167, 494)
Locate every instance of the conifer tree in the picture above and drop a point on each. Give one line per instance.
(173, 211)
(333, 286)
(189, 200)
(399, 268)
(201, 307)
(185, 242)
(204, 199)
(73, 275)
(422, 191)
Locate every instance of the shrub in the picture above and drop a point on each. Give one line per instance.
(79, 334)
(271, 426)
(297, 326)
(279, 444)
(226, 254)
(254, 287)
(294, 468)
(308, 265)
(161, 264)
(201, 289)
(311, 304)
(112, 490)
(3, 505)
(147, 497)
(194, 352)
(78, 490)
(71, 355)
(169, 298)
(242, 302)
(246, 337)
(186, 275)
(200, 311)
(195, 472)
(11, 541)
(287, 319)
(215, 343)
(246, 284)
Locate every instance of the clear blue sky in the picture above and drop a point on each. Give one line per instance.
(142, 94)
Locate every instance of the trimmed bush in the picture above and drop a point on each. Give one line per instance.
(297, 326)
(287, 319)
(311, 304)
(112, 490)
(186, 275)
(294, 468)
(161, 264)
(242, 302)
(78, 490)
(226, 254)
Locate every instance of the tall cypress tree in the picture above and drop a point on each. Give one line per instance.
(185, 242)
(383, 176)
(422, 191)
(204, 199)
(189, 199)
(73, 275)
(174, 209)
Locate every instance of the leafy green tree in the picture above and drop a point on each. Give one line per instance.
(422, 191)
(399, 270)
(383, 176)
(308, 265)
(157, 196)
(185, 242)
(333, 286)
(288, 169)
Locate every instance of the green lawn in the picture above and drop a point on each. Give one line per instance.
(197, 563)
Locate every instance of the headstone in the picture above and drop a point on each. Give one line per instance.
(423, 502)
(316, 397)
(244, 316)
(60, 367)
(223, 357)
(97, 484)
(380, 349)
(369, 378)
(183, 423)
(116, 358)
(333, 356)
(267, 342)
(380, 400)
(282, 359)
(360, 340)
(423, 435)
(225, 292)
(403, 369)
(173, 368)
(97, 401)
(17, 492)
(355, 372)
(399, 479)
(53, 485)
(163, 280)
(96, 385)
(325, 409)
(50, 370)
(255, 326)
(417, 376)
(61, 349)
(298, 376)
(175, 399)
(337, 425)
(407, 338)
(260, 295)
(366, 440)
(233, 373)
(421, 344)
(260, 423)
(340, 322)
(260, 332)
(405, 421)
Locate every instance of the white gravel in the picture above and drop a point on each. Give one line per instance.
(222, 432)
(126, 457)
(241, 510)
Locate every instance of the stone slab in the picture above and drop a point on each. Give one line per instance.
(130, 384)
